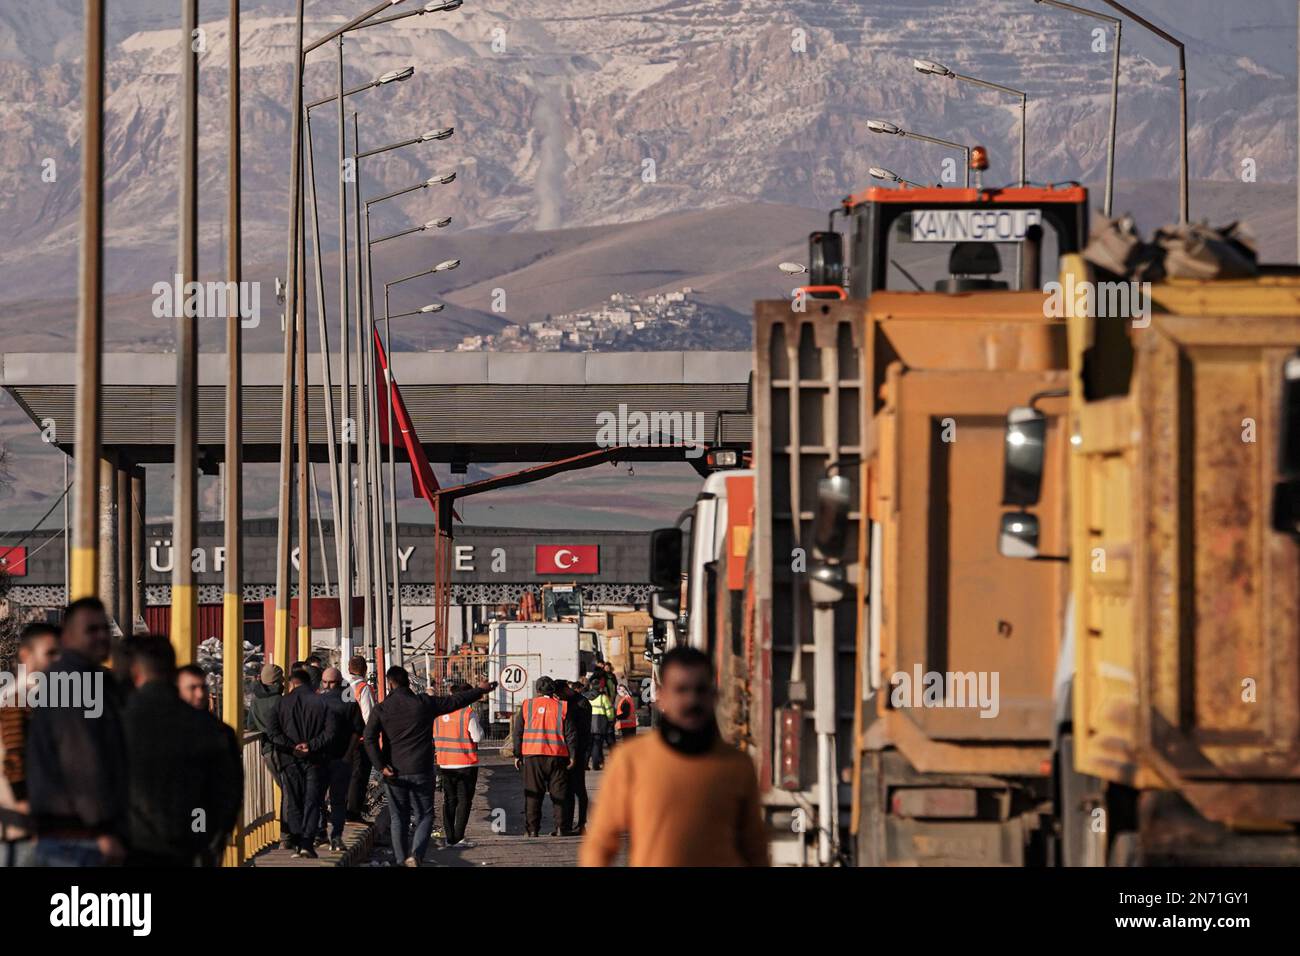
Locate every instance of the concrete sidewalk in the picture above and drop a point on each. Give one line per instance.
(496, 825)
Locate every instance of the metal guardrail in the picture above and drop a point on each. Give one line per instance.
(259, 819)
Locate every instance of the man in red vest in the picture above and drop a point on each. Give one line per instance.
(546, 746)
(455, 743)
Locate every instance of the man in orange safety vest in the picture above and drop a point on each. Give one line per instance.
(546, 746)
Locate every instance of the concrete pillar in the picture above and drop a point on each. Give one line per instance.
(137, 540)
(108, 534)
(125, 593)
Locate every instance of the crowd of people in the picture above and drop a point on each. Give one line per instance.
(108, 767)
(128, 765)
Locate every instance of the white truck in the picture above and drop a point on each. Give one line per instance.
(522, 651)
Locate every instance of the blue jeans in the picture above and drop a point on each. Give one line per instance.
(410, 794)
(61, 852)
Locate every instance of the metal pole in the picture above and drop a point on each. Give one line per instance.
(84, 557)
(1114, 114)
(232, 624)
(137, 539)
(1024, 132)
(282, 553)
(385, 621)
(184, 610)
(327, 387)
(108, 534)
(392, 484)
(67, 545)
(346, 443)
(363, 481)
(304, 451)
(122, 484)
(1183, 211)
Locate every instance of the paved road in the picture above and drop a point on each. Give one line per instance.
(496, 826)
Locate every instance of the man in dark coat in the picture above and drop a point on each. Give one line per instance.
(185, 769)
(76, 754)
(302, 732)
(405, 720)
(580, 713)
(349, 727)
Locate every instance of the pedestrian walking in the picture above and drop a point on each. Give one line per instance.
(302, 732)
(580, 713)
(602, 719)
(185, 771)
(680, 795)
(38, 647)
(364, 696)
(346, 741)
(405, 722)
(76, 754)
(546, 743)
(456, 738)
(266, 698)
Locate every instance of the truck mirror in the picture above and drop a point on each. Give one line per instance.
(1286, 493)
(1022, 476)
(830, 524)
(826, 258)
(664, 606)
(1018, 537)
(666, 558)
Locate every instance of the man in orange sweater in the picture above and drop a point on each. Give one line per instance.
(681, 795)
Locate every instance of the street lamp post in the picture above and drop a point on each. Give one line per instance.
(282, 554)
(84, 555)
(1118, 24)
(392, 438)
(391, 622)
(930, 68)
(340, 463)
(232, 644)
(892, 129)
(1182, 100)
(184, 598)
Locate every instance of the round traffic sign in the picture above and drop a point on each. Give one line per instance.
(514, 678)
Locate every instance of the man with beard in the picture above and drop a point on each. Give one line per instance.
(681, 795)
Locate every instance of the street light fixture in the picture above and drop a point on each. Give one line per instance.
(793, 268)
(1118, 24)
(930, 68)
(893, 129)
(889, 176)
(431, 224)
(392, 76)
(434, 6)
(433, 307)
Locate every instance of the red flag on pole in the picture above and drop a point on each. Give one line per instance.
(423, 479)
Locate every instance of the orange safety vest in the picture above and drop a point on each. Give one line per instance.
(544, 727)
(451, 740)
(626, 712)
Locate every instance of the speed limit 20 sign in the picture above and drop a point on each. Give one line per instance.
(514, 678)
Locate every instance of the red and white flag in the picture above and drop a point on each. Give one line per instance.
(567, 559)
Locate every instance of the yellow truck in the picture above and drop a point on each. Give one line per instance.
(1177, 735)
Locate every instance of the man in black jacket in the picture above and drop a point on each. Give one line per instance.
(76, 755)
(406, 720)
(347, 737)
(303, 733)
(580, 713)
(185, 769)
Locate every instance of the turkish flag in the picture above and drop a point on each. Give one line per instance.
(567, 559)
(13, 561)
